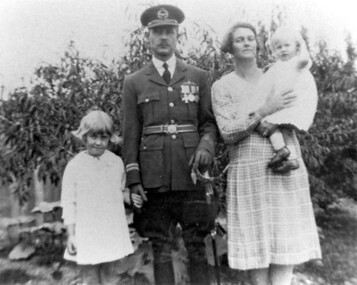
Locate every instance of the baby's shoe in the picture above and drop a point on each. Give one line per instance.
(280, 155)
(286, 166)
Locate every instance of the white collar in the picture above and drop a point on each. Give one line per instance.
(171, 63)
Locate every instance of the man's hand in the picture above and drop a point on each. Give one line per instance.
(137, 196)
(266, 129)
(201, 160)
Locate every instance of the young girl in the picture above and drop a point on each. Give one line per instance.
(289, 72)
(92, 201)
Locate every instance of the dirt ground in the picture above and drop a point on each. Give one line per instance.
(338, 236)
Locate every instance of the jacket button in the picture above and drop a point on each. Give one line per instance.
(147, 100)
(171, 104)
(169, 89)
(172, 121)
(144, 147)
(173, 137)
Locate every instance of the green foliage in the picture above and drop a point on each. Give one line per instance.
(47, 241)
(330, 71)
(329, 149)
(36, 123)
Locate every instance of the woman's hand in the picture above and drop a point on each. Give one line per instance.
(276, 102)
(71, 245)
(266, 129)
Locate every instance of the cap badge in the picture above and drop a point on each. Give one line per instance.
(162, 14)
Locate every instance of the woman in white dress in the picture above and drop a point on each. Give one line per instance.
(271, 225)
(92, 202)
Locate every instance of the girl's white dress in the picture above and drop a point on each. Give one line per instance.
(285, 75)
(92, 199)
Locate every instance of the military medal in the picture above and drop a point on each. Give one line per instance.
(191, 97)
(189, 92)
(185, 98)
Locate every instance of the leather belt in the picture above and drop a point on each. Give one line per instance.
(169, 129)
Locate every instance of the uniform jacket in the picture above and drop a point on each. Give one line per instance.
(161, 160)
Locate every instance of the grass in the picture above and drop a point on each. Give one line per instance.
(338, 236)
(339, 249)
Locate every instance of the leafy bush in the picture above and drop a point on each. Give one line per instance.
(36, 123)
(330, 147)
(46, 241)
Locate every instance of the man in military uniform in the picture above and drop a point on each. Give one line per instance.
(169, 131)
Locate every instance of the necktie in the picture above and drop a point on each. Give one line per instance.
(166, 75)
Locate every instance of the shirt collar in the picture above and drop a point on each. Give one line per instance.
(171, 63)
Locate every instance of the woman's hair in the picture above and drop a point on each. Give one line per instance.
(227, 42)
(286, 33)
(96, 122)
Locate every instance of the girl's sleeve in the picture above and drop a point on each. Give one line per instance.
(68, 195)
(122, 174)
(125, 190)
(233, 125)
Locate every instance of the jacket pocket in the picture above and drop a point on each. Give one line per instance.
(152, 161)
(190, 142)
(148, 97)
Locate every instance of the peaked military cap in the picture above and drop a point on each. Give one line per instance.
(162, 15)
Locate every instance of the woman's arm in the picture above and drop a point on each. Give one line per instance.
(233, 125)
(276, 102)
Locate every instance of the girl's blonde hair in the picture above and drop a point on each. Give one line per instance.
(96, 121)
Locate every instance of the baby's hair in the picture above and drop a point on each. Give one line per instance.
(284, 33)
(96, 121)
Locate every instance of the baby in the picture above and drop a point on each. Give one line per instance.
(289, 72)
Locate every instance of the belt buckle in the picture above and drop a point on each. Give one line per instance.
(172, 129)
